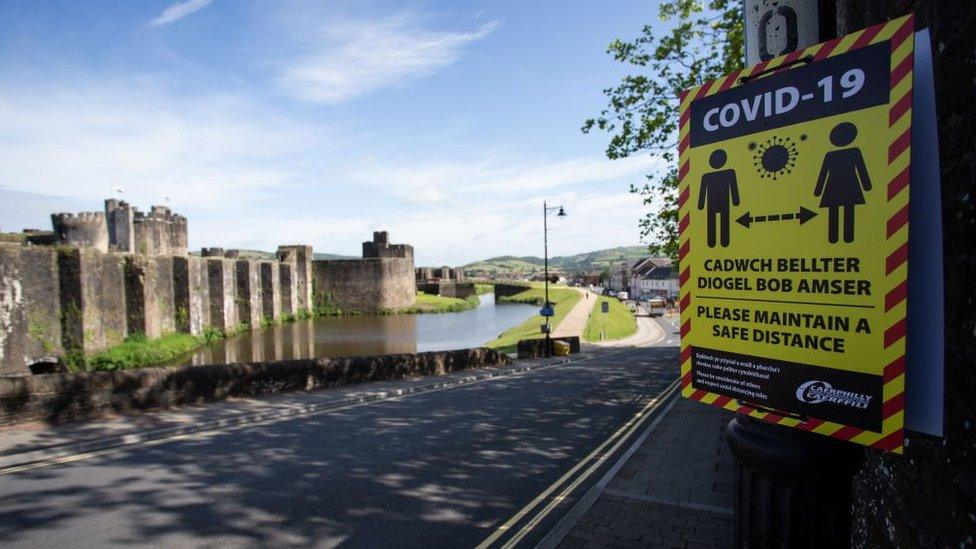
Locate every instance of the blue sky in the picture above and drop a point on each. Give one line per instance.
(279, 121)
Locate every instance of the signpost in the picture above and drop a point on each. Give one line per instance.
(605, 309)
(794, 227)
(794, 218)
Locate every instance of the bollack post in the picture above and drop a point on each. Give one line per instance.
(793, 489)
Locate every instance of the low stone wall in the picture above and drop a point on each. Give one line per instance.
(66, 397)
(536, 348)
(445, 288)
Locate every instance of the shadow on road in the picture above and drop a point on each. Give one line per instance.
(436, 469)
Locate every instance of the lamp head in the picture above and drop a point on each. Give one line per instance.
(562, 212)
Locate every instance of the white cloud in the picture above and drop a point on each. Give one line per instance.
(442, 181)
(348, 58)
(87, 138)
(178, 11)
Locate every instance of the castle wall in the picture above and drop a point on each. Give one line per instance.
(119, 217)
(13, 315)
(191, 294)
(86, 229)
(270, 291)
(366, 285)
(93, 301)
(301, 256)
(221, 278)
(149, 295)
(286, 281)
(248, 293)
(39, 280)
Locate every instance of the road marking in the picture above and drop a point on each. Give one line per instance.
(597, 456)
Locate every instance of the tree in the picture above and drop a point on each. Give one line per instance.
(704, 41)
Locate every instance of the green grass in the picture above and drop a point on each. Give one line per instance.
(428, 303)
(137, 351)
(620, 322)
(563, 298)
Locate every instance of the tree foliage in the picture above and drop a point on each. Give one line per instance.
(700, 41)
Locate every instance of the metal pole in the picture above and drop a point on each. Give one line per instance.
(545, 253)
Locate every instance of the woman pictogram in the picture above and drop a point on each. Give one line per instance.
(843, 178)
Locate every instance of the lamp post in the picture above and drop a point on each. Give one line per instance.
(545, 246)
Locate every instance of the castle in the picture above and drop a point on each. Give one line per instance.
(120, 228)
(100, 277)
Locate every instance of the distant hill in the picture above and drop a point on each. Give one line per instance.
(509, 266)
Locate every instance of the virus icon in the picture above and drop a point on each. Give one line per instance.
(775, 157)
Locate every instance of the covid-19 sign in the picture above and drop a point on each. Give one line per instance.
(793, 211)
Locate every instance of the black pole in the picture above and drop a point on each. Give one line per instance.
(793, 488)
(545, 253)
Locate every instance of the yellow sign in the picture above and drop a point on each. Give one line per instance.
(793, 253)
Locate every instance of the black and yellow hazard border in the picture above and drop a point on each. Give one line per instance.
(900, 34)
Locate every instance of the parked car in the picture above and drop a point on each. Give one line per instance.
(623, 296)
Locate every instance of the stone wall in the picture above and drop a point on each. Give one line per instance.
(77, 299)
(448, 288)
(505, 290)
(65, 397)
(248, 293)
(13, 317)
(222, 282)
(149, 295)
(86, 229)
(927, 497)
(301, 258)
(365, 285)
(40, 284)
(93, 301)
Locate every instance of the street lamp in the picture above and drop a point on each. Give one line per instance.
(545, 243)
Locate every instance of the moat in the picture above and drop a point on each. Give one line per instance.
(367, 335)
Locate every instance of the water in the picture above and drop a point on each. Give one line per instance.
(367, 335)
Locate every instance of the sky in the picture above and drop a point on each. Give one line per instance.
(272, 122)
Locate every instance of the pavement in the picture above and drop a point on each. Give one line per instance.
(574, 323)
(590, 451)
(673, 488)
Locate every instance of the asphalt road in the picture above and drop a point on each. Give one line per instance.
(437, 469)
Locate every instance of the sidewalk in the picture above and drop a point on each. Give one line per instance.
(675, 490)
(574, 323)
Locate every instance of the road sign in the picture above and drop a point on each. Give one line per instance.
(793, 207)
(547, 311)
(605, 307)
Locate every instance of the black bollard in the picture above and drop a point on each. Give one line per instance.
(793, 489)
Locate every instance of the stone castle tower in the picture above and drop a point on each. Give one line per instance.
(160, 232)
(380, 247)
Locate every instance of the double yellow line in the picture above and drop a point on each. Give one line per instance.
(589, 465)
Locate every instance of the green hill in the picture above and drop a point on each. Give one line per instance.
(509, 266)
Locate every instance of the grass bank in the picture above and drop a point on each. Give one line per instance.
(620, 322)
(428, 303)
(563, 299)
(137, 351)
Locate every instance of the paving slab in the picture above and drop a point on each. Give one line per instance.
(675, 490)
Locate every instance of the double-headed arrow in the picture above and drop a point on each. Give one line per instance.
(803, 216)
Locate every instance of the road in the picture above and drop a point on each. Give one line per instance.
(443, 468)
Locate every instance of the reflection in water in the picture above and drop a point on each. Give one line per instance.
(367, 335)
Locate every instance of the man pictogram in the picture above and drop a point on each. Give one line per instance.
(842, 178)
(717, 188)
